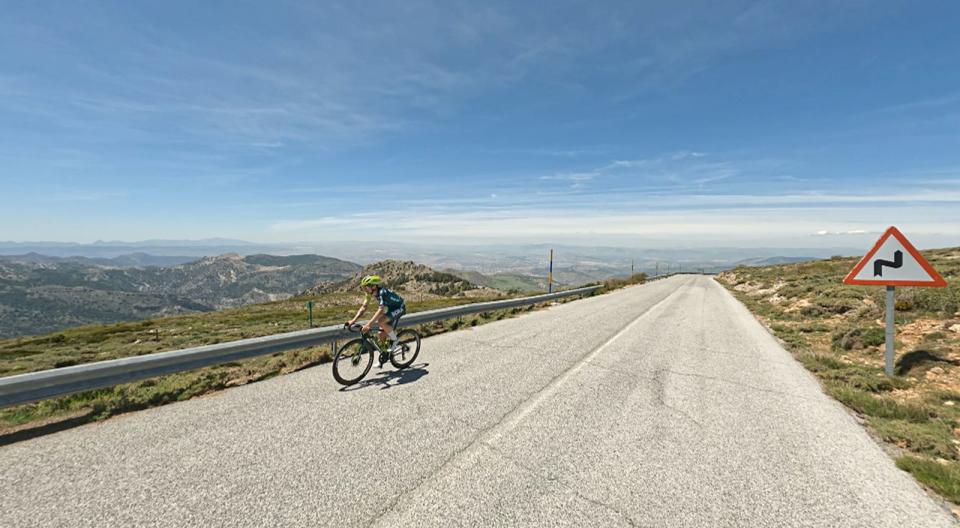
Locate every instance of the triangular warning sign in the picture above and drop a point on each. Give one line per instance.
(894, 261)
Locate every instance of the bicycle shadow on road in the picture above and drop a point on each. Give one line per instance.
(390, 377)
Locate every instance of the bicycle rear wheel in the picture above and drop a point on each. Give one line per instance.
(409, 341)
(352, 362)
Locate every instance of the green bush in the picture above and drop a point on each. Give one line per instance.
(873, 336)
(834, 305)
(616, 283)
(817, 363)
(858, 338)
(869, 404)
(931, 438)
(941, 301)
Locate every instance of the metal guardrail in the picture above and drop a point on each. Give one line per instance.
(33, 386)
(660, 277)
(675, 273)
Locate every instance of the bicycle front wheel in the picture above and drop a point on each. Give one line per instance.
(406, 353)
(352, 362)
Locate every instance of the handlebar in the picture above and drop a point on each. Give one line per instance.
(356, 327)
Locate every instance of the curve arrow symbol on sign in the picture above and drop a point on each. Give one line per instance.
(879, 264)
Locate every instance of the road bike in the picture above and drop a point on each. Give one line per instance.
(354, 359)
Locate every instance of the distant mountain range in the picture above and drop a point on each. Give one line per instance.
(191, 249)
(572, 264)
(130, 260)
(40, 294)
(772, 261)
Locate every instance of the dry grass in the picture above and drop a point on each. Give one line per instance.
(837, 332)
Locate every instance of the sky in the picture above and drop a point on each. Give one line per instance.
(636, 124)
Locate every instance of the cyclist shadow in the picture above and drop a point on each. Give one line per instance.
(390, 377)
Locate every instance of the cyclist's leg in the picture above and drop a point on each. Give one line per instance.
(383, 325)
(393, 322)
(386, 326)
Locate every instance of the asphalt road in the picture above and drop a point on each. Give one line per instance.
(665, 404)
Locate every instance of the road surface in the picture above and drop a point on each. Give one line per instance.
(664, 404)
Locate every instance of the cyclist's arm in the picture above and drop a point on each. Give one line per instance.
(375, 319)
(360, 312)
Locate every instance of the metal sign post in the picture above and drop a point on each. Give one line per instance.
(893, 262)
(891, 306)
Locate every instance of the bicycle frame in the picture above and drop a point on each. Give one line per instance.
(401, 357)
(370, 340)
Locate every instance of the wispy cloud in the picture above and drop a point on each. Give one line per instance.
(680, 170)
(627, 164)
(676, 156)
(82, 196)
(577, 178)
(744, 226)
(325, 93)
(551, 152)
(931, 103)
(349, 80)
(299, 115)
(824, 232)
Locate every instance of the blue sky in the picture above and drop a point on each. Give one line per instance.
(635, 123)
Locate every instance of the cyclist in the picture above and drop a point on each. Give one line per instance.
(391, 308)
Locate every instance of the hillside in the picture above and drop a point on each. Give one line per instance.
(130, 260)
(505, 281)
(837, 332)
(230, 280)
(770, 261)
(407, 277)
(43, 294)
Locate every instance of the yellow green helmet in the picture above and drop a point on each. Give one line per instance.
(370, 280)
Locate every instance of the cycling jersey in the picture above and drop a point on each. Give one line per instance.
(388, 299)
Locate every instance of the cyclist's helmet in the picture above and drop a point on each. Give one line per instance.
(370, 280)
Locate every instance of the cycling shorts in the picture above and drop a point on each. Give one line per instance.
(393, 316)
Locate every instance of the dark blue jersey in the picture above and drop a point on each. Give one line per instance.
(388, 299)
